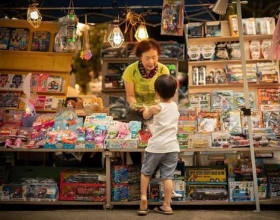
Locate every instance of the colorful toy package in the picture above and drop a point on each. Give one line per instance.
(95, 129)
(40, 41)
(4, 38)
(19, 39)
(64, 132)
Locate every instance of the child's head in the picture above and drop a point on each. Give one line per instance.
(165, 86)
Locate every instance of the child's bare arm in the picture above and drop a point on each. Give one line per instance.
(151, 111)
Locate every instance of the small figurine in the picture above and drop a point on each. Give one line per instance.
(70, 104)
(99, 138)
(8, 143)
(89, 134)
(80, 134)
(112, 128)
(123, 130)
(18, 142)
(134, 127)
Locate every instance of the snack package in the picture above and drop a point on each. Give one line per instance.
(194, 52)
(255, 49)
(221, 52)
(208, 51)
(249, 27)
(234, 50)
(265, 48)
(233, 25)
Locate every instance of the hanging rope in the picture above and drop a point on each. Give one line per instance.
(71, 9)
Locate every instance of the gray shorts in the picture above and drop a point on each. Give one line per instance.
(166, 162)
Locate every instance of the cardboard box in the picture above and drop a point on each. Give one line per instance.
(241, 191)
(178, 193)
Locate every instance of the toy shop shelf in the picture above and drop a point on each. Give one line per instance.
(36, 61)
(189, 202)
(108, 90)
(37, 110)
(46, 110)
(51, 203)
(231, 85)
(234, 149)
(10, 90)
(228, 38)
(48, 150)
(127, 150)
(207, 62)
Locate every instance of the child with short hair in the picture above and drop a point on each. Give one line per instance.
(163, 148)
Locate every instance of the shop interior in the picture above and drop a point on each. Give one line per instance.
(64, 133)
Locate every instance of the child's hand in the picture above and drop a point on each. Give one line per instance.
(144, 108)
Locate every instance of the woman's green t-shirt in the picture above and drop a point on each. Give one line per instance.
(144, 88)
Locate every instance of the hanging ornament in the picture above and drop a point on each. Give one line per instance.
(82, 54)
(85, 52)
(88, 54)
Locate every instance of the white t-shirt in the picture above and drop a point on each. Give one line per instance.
(164, 132)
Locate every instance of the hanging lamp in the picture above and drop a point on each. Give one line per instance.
(34, 16)
(220, 7)
(116, 37)
(141, 32)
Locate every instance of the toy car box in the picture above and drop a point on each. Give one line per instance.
(206, 192)
(178, 193)
(241, 191)
(120, 192)
(39, 189)
(82, 186)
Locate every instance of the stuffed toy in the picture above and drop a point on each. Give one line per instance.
(97, 104)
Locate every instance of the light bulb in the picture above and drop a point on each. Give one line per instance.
(34, 15)
(117, 38)
(141, 33)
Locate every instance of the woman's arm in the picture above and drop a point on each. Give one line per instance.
(130, 92)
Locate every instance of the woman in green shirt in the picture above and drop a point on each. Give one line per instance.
(139, 78)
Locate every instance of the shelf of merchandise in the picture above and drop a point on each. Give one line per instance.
(212, 62)
(107, 153)
(43, 150)
(203, 202)
(228, 38)
(37, 110)
(253, 87)
(35, 61)
(239, 149)
(25, 62)
(74, 203)
(239, 85)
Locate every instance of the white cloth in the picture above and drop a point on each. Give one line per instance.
(164, 132)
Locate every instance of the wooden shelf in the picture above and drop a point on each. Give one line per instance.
(212, 62)
(51, 203)
(136, 203)
(204, 202)
(37, 110)
(256, 149)
(112, 90)
(127, 150)
(35, 61)
(42, 150)
(253, 85)
(227, 38)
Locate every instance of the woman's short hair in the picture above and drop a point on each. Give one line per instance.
(166, 86)
(146, 45)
